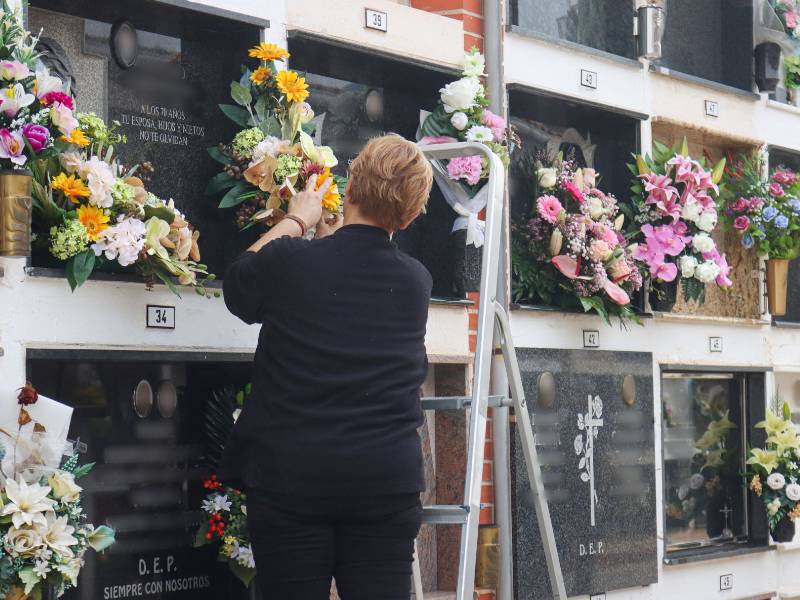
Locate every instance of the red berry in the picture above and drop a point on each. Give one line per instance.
(208, 536)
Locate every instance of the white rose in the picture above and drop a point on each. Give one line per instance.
(596, 209)
(23, 541)
(773, 507)
(474, 64)
(547, 177)
(793, 492)
(64, 486)
(708, 220)
(691, 211)
(459, 120)
(461, 94)
(706, 271)
(776, 481)
(703, 243)
(688, 265)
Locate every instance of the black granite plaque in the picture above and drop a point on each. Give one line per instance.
(712, 39)
(597, 454)
(602, 24)
(147, 481)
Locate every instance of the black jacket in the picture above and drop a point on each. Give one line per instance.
(341, 358)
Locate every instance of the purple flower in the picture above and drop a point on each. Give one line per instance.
(37, 136)
(781, 221)
(769, 213)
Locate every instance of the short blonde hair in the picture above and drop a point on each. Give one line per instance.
(390, 181)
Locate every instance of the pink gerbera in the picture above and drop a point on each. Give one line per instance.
(549, 208)
(574, 191)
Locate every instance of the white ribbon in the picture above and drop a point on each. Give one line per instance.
(465, 207)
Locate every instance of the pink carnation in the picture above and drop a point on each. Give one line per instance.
(791, 19)
(468, 168)
(496, 123)
(549, 208)
(53, 97)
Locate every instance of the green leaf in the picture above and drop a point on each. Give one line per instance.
(83, 470)
(241, 94)
(438, 123)
(243, 574)
(220, 181)
(79, 267)
(261, 108)
(236, 114)
(271, 126)
(233, 196)
(162, 212)
(166, 279)
(28, 578)
(217, 154)
(200, 536)
(309, 127)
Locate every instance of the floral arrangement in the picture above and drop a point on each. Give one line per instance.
(791, 68)
(36, 116)
(225, 524)
(92, 212)
(766, 213)
(462, 115)
(44, 532)
(273, 156)
(571, 241)
(673, 217)
(776, 468)
(789, 14)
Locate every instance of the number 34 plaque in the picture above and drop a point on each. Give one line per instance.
(160, 317)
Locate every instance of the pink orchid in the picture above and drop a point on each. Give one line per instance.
(616, 293)
(670, 244)
(549, 208)
(12, 146)
(712, 255)
(741, 222)
(681, 229)
(664, 271)
(724, 270)
(566, 265)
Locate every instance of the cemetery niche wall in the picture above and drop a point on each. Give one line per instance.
(357, 95)
(161, 71)
(142, 419)
(595, 437)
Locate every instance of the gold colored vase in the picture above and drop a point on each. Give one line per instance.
(486, 563)
(15, 213)
(777, 276)
(16, 593)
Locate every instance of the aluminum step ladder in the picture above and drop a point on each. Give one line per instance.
(493, 331)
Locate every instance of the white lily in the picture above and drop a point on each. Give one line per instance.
(57, 534)
(13, 98)
(26, 503)
(46, 83)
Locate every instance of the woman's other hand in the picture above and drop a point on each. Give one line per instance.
(328, 225)
(307, 205)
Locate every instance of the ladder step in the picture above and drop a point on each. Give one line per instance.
(460, 402)
(445, 514)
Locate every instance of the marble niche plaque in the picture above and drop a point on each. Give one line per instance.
(596, 445)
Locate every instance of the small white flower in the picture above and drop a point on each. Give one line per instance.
(236, 414)
(221, 503)
(688, 265)
(773, 507)
(459, 120)
(41, 568)
(776, 481)
(696, 481)
(702, 242)
(474, 64)
(707, 271)
(479, 133)
(244, 557)
(793, 492)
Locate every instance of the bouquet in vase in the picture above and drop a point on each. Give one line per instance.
(273, 156)
(44, 531)
(462, 116)
(90, 211)
(673, 217)
(775, 474)
(569, 249)
(788, 12)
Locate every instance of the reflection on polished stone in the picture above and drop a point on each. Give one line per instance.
(597, 455)
(601, 24)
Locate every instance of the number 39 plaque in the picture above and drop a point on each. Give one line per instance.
(160, 317)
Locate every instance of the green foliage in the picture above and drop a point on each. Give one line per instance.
(215, 153)
(219, 422)
(236, 195)
(791, 65)
(79, 267)
(220, 181)
(236, 114)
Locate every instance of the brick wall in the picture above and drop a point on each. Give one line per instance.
(469, 12)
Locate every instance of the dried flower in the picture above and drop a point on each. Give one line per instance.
(27, 395)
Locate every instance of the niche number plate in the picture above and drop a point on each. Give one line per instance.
(589, 79)
(160, 317)
(591, 338)
(376, 19)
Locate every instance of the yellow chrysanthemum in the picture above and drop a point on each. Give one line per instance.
(71, 186)
(292, 85)
(94, 220)
(267, 51)
(331, 201)
(77, 137)
(260, 75)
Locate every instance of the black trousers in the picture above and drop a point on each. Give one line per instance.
(365, 543)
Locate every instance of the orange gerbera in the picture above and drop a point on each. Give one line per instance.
(72, 187)
(260, 75)
(332, 200)
(267, 51)
(94, 220)
(77, 137)
(293, 86)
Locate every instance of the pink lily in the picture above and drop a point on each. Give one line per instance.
(12, 146)
(724, 270)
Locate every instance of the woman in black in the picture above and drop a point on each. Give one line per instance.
(327, 444)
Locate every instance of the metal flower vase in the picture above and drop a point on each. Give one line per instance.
(16, 206)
